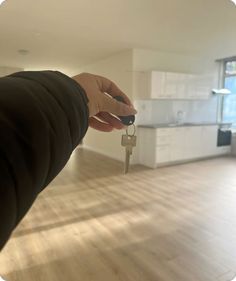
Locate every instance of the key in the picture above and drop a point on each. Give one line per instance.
(127, 159)
(128, 141)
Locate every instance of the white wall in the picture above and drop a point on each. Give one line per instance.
(4, 70)
(118, 68)
(146, 60)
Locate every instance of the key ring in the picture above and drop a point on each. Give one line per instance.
(134, 130)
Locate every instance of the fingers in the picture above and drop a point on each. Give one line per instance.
(108, 118)
(113, 106)
(107, 86)
(100, 126)
(100, 91)
(111, 122)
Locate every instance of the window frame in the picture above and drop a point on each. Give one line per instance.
(225, 75)
(222, 78)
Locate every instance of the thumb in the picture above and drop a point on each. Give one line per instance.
(109, 104)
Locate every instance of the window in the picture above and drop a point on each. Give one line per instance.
(230, 76)
(229, 82)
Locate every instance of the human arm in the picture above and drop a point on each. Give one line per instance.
(43, 117)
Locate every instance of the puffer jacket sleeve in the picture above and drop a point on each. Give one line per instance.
(43, 117)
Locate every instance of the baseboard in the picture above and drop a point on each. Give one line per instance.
(190, 160)
(102, 152)
(133, 159)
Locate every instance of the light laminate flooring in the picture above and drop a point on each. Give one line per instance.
(95, 224)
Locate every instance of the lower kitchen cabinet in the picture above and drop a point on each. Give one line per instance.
(162, 154)
(146, 147)
(192, 139)
(178, 144)
(209, 141)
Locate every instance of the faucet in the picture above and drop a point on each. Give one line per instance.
(180, 117)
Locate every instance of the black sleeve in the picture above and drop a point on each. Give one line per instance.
(43, 117)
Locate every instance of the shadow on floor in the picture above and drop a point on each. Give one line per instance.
(92, 264)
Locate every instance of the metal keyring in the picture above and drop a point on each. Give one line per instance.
(127, 130)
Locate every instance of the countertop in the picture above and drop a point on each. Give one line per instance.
(186, 124)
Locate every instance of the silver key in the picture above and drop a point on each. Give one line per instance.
(128, 141)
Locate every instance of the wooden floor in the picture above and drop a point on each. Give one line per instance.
(94, 223)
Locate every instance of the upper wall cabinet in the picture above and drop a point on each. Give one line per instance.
(170, 85)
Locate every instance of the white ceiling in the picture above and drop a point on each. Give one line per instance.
(72, 33)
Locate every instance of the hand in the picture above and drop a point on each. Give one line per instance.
(100, 91)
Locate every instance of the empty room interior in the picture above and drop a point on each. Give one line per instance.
(118, 140)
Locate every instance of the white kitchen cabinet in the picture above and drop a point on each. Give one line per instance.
(162, 140)
(191, 92)
(163, 132)
(177, 144)
(162, 154)
(166, 85)
(162, 149)
(147, 147)
(209, 141)
(201, 86)
(181, 87)
(157, 81)
(193, 143)
(169, 145)
(186, 143)
(170, 85)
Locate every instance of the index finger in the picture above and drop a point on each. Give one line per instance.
(109, 87)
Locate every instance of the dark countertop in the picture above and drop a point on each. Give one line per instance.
(186, 124)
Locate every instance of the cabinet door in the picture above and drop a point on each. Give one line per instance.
(193, 142)
(163, 132)
(190, 86)
(147, 147)
(157, 84)
(177, 145)
(181, 87)
(209, 140)
(199, 86)
(162, 140)
(203, 86)
(169, 85)
(141, 85)
(171, 82)
(163, 136)
(162, 154)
